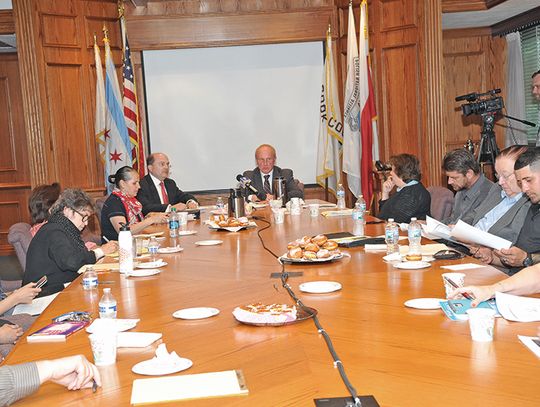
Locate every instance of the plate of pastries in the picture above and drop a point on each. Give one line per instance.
(260, 314)
(317, 249)
(222, 222)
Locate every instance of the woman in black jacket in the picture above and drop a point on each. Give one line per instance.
(57, 250)
(411, 199)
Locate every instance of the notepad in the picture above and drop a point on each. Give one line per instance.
(185, 387)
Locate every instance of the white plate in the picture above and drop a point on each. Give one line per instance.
(320, 287)
(105, 323)
(136, 339)
(424, 303)
(143, 273)
(152, 264)
(208, 242)
(285, 259)
(187, 232)
(166, 250)
(412, 265)
(154, 367)
(196, 313)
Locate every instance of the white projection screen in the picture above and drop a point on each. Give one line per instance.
(209, 108)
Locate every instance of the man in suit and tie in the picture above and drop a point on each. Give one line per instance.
(263, 176)
(158, 192)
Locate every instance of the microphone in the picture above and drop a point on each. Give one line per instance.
(246, 183)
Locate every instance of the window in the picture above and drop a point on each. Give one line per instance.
(530, 48)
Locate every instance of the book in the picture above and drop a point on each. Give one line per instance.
(57, 331)
(456, 310)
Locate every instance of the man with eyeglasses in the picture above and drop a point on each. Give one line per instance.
(262, 177)
(158, 192)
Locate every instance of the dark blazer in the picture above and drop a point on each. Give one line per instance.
(509, 225)
(292, 187)
(52, 252)
(148, 195)
(410, 202)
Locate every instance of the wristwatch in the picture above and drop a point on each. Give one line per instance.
(528, 261)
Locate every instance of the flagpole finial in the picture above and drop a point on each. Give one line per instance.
(121, 8)
(329, 31)
(95, 38)
(350, 3)
(105, 32)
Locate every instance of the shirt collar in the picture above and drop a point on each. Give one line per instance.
(157, 182)
(513, 199)
(408, 184)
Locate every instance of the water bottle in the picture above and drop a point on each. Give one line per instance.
(358, 218)
(107, 305)
(174, 223)
(220, 205)
(125, 249)
(362, 203)
(153, 247)
(90, 280)
(340, 193)
(415, 236)
(391, 236)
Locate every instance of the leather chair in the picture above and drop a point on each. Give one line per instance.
(19, 237)
(442, 202)
(99, 206)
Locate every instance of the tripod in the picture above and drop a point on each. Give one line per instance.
(488, 150)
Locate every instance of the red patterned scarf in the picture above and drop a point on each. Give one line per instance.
(132, 205)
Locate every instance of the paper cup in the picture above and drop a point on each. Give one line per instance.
(279, 215)
(276, 203)
(457, 278)
(314, 210)
(481, 323)
(104, 347)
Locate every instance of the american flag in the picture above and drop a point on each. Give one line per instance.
(131, 107)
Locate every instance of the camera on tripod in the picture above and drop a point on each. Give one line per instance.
(481, 103)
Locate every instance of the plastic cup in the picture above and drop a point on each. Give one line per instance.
(276, 203)
(481, 323)
(314, 210)
(279, 215)
(182, 220)
(457, 278)
(104, 347)
(295, 207)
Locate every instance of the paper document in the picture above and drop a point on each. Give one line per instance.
(516, 308)
(342, 212)
(531, 342)
(465, 266)
(217, 384)
(469, 234)
(433, 229)
(36, 307)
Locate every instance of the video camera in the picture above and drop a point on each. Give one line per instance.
(481, 103)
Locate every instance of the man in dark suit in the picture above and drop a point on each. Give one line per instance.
(158, 192)
(263, 176)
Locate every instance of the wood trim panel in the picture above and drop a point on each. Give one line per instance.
(521, 21)
(219, 30)
(59, 30)
(7, 22)
(453, 6)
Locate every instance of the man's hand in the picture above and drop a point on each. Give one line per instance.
(73, 372)
(387, 186)
(484, 254)
(110, 247)
(180, 206)
(191, 204)
(511, 257)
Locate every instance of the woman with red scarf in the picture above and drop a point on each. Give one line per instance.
(122, 206)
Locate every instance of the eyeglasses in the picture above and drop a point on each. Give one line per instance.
(266, 160)
(505, 177)
(84, 217)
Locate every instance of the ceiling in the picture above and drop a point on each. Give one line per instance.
(487, 18)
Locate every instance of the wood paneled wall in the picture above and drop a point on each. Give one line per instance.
(474, 61)
(14, 169)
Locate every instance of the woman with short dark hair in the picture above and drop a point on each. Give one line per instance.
(411, 199)
(122, 206)
(40, 202)
(57, 250)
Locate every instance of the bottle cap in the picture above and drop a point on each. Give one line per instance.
(124, 227)
(173, 209)
(106, 290)
(390, 219)
(413, 219)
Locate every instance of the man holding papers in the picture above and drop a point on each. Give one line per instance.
(464, 176)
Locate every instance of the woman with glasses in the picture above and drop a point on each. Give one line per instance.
(57, 250)
(122, 206)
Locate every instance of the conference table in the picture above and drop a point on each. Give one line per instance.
(401, 356)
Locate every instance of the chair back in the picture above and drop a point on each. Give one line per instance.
(442, 202)
(19, 237)
(99, 206)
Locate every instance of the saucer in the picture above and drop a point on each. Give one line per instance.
(165, 250)
(412, 265)
(143, 273)
(319, 287)
(186, 232)
(424, 303)
(155, 367)
(152, 264)
(208, 242)
(196, 313)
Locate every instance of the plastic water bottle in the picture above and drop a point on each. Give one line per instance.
(358, 218)
(340, 193)
(107, 305)
(362, 203)
(125, 249)
(90, 280)
(415, 236)
(220, 205)
(174, 223)
(153, 247)
(391, 236)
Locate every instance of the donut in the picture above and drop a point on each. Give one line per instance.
(330, 245)
(319, 239)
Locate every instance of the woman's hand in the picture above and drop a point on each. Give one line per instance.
(387, 186)
(110, 247)
(10, 333)
(157, 218)
(25, 294)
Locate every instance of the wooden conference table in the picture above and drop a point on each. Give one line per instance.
(402, 356)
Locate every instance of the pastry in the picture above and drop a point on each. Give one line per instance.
(311, 247)
(319, 239)
(330, 245)
(295, 253)
(265, 314)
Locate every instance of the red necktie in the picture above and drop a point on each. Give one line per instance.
(164, 193)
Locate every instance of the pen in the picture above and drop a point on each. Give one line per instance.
(466, 295)
(107, 240)
(94, 386)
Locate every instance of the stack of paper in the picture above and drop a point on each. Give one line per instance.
(516, 308)
(331, 214)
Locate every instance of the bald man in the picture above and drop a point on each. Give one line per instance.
(263, 176)
(158, 192)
